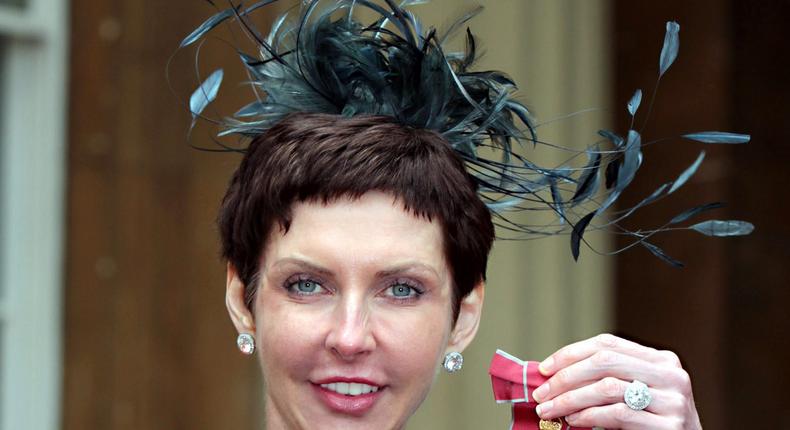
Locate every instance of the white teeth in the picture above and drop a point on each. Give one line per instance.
(350, 388)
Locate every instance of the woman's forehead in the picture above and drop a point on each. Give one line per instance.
(374, 229)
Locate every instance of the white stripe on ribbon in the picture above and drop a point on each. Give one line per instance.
(523, 365)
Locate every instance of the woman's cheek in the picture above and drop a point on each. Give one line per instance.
(414, 338)
(289, 336)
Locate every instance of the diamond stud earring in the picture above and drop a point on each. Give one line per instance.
(453, 362)
(246, 343)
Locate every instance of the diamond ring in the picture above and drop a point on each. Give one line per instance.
(637, 396)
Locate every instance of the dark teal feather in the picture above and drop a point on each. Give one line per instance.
(688, 214)
(670, 49)
(719, 228)
(718, 137)
(633, 104)
(205, 94)
(207, 26)
(688, 173)
(658, 252)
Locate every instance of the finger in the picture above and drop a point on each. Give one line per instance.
(607, 391)
(619, 416)
(609, 363)
(578, 351)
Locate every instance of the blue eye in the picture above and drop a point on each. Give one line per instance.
(305, 287)
(403, 291)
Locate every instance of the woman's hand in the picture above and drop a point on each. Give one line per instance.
(588, 380)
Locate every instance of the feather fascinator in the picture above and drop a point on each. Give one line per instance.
(319, 58)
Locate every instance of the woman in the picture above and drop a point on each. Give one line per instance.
(356, 289)
(357, 228)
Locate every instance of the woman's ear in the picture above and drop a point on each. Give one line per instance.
(235, 292)
(468, 319)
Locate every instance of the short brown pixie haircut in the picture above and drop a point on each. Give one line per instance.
(322, 157)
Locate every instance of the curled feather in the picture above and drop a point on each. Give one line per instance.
(670, 49)
(205, 94)
(578, 234)
(688, 173)
(718, 137)
(633, 104)
(719, 228)
(614, 138)
(687, 214)
(658, 252)
(588, 183)
(207, 26)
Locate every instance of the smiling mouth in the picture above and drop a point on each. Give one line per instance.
(346, 397)
(350, 388)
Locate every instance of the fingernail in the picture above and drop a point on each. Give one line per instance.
(570, 419)
(540, 392)
(546, 365)
(544, 408)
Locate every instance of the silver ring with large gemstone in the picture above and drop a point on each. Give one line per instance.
(637, 396)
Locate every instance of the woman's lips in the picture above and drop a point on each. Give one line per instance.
(356, 405)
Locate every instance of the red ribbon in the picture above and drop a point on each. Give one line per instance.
(513, 381)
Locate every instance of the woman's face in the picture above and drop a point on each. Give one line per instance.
(353, 315)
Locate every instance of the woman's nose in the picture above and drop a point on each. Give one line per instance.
(350, 335)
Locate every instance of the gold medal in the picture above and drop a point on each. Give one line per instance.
(551, 425)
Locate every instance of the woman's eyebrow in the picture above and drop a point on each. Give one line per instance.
(406, 268)
(303, 264)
